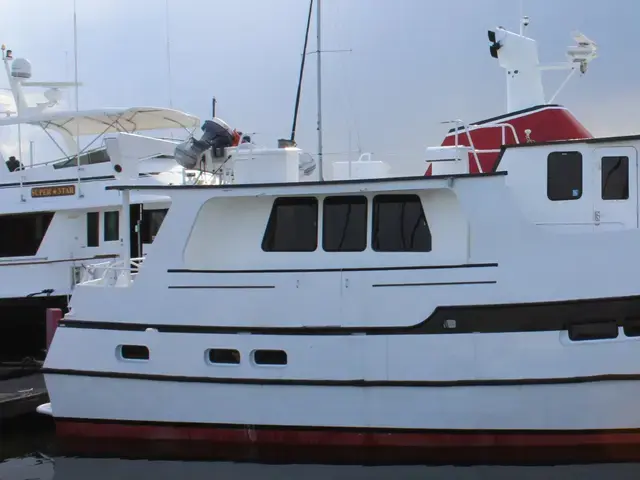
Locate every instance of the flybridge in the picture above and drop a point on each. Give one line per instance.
(67, 128)
(530, 117)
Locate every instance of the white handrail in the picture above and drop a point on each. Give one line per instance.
(466, 130)
(102, 272)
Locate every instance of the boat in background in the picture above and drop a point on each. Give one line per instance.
(56, 216)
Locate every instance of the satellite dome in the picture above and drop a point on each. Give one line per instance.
(21, 68)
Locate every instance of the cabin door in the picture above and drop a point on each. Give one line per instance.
(616, 188)
(134, 228)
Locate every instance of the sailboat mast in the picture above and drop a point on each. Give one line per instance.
(319, 73)
(304, 56)
(75, 74)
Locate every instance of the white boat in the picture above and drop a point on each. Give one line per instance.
(56, 216)
(456, 310)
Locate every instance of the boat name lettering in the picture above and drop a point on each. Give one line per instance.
(57, 191)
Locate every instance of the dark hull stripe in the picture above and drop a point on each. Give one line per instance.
(418, 179)
(221, 287)
(506, 116)
(323, 270)
(360, 430)
(503, 318)
(357, 383)
(68, 180)
(434, 284)
(257, 287)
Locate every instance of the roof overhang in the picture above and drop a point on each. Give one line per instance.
(108, 120)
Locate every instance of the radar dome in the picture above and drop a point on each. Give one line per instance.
(21, 68)
(54, 95)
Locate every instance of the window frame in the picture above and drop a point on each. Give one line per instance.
(337, 199)
(96, 230)
(105, 230)
(555, 154)
(385, 198)
(602, 177)
(38, 224)
(272, 224)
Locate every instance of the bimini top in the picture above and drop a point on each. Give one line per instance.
(108, 120)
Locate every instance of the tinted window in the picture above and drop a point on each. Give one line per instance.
(270, 357)
(632, 327)
(111, 226)
(224, 355)
(93, 229)
(292, 226)
(151, 222)
(593, 331)
(399, 224)
(21, 235)
(134, 352)
(564, 176)
(344, 227)
(615, 178)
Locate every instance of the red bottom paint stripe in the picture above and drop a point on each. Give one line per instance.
(342, 437)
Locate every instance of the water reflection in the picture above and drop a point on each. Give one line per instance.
(41, 468)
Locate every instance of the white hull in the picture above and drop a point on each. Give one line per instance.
(455, 382)
(547, 407)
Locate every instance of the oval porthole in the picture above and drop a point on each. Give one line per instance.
(270, 357)
(133, 352)
(223, 356)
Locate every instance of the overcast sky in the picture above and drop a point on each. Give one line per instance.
(413, 63)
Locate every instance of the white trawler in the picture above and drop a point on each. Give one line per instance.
(471, 307)
(56, 218)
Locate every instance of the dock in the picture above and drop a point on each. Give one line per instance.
(21, 391)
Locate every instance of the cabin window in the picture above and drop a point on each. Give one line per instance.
(270, 357)
(564, 176)
(615, 178)
(22, 234)
(292, 226)
(134, 352)
(226, 356)
(344, 224)
(151, 222)
(111, 226)
(631, 327)
(93, 229)
(399, 224)
(593, 331)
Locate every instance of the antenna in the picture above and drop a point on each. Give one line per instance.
(75, 62)
(75, 52)
(304, 56)
(168, 53)
(319, 63)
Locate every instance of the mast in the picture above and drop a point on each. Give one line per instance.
(168, 53)
(75, 62)
(319, 63)
(304, 56)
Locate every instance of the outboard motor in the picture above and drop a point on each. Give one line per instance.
(217, 135)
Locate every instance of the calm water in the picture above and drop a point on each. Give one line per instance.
(27, 452)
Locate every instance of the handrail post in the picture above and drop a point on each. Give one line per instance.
(126, 234)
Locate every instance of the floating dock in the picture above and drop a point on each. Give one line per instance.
(21, 391)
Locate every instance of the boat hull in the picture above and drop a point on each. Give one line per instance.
(545, 422)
